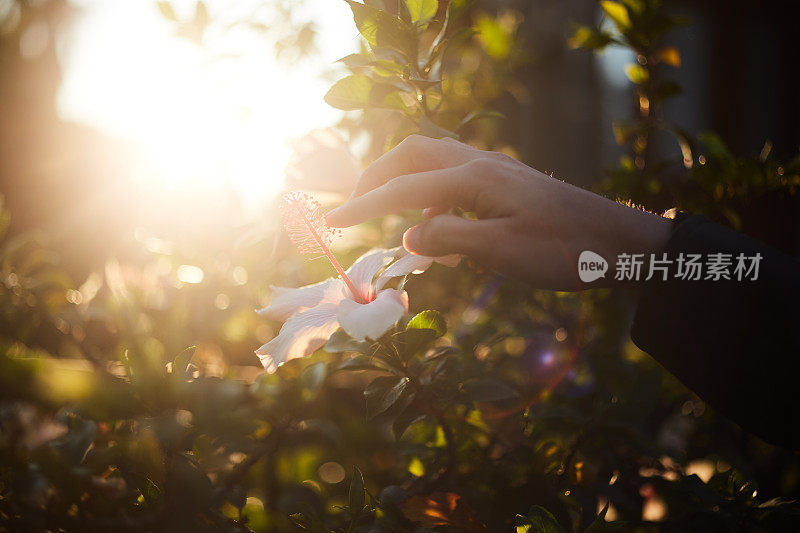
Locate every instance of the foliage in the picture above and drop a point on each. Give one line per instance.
(713, 180)
(398, 81)
(492, 407)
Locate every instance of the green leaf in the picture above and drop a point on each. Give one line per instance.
(151, 492)
(393, 100)
(359, 92)
(404, 420)
(75, 444)
(308, 519)
(387, 68)
(441, 351)
(416, 340)
(487, 390)
(354, 61)
(356, 499)
(600, 525)
(636, 6)
(637, 73)
(382, 29)
(429, 319)
(424, 84)
(166, 10)
(539, 520)
(478, 115)
(440, 43)
(313, 376)
(423, 329)
(182, 360)
(350, 93)
(340, 341)
(422, 11)
(618, 13)
(585, 37)
(383, 392)
(362, 362)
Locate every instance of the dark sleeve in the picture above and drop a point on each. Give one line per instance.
(736, 344)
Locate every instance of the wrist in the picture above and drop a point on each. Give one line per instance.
(634, 236)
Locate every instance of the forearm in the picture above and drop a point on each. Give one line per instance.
(733, 342)
(611, 230)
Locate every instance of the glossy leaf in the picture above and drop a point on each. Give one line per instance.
(313, 376)
(429, 319)
(422, 330)
(362, 362)
(637, 73)
(354, 60)
(360, 92)
(404, 420)
(478, 115)
(539, 520)
(383, 392)
(182, 360)
(340, 341)
(356, 497)
(352, 92)
(422, 11)
(618, 13)
(382, 29)
(424, 84)
(441, 351)
(585, 37)
(601, 526)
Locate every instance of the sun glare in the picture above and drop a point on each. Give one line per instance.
(224, 113)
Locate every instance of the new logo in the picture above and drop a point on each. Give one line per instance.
(591, 266)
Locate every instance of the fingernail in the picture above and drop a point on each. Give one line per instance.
(412, 238)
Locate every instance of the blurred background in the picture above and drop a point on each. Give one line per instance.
(143, 145)
(146, 127)
(119, 115)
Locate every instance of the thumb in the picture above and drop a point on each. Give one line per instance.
(449, 234)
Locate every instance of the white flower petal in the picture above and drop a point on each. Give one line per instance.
(300, 336)
(364, 269)
(413, 264)
(373, 319)
(451, 260)
(285, 301)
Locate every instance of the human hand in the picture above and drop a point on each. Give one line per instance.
(529, 225)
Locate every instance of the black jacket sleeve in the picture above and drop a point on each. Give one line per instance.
(736, 344)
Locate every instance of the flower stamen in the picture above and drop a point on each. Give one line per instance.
(306, 226)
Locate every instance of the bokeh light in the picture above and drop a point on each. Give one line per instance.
(221, 112)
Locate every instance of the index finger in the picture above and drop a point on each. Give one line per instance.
(450, 187)
(416, 153)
